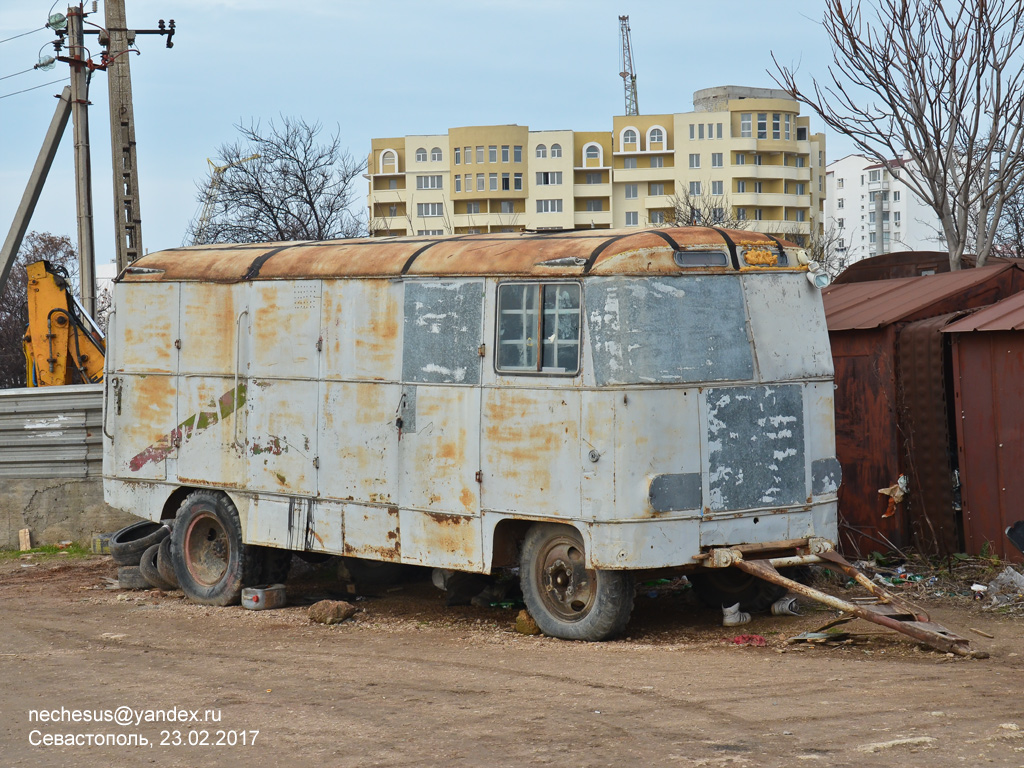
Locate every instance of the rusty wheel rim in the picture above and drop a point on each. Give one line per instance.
(567, 587)
(206, 549)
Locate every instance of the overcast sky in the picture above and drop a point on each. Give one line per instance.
(373, 69)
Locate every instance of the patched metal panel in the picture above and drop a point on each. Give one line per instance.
(373, 532)
(143, 329)
(210, 328)
(51, 432)
(439, 460)
(362, 329)
(755, 447)
(826, 476)
(358, 441)
(443, 332)
(284, 318)
(142, 416)
(668, 329)
(211, 431)
(441, 540)
(788, 321)
(658, 433)
(670, 493)
(281, 418)
(530, 451)
(297, 523)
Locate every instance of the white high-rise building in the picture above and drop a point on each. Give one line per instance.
(862, 225)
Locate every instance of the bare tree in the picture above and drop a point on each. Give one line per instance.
(934, 92)
(296, 189)
(61, 253)
(704, 209)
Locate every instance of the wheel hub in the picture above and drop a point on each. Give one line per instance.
(567, 584)
(206, 549)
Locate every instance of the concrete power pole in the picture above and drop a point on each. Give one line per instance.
(127, 215)
(83, 163)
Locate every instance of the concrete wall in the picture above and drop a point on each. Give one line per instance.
(50, 466)
(64, 509)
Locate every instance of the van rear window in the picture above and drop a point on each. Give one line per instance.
(539, 328)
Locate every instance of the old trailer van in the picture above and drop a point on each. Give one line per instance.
(584, 405)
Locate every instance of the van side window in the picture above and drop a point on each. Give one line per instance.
(539, 328)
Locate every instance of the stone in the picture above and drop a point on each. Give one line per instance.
(525, 624)
(331, 611)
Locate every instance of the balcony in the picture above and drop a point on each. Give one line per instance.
(591, 190)
(634, 175)
(769, 200)
(786, 172)
(586, 218)
(659, 201)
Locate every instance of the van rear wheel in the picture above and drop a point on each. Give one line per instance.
(565, 598)
(210, 560)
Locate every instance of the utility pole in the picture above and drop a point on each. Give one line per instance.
(127, 214)
(83, 164)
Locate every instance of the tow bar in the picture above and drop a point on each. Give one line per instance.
(888, 610)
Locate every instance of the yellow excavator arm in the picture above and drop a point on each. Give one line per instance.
(63, 345)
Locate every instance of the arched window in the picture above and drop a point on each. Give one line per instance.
(593, 152)
(389, 161)
(556, 150)
(542, 151)
(435, 155)
(421, 155)
(656, 136)
(629, 136)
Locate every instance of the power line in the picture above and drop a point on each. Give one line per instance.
(17, 73)
(23, 34)
(26, 90)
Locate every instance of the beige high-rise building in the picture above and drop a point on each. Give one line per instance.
(744, 157)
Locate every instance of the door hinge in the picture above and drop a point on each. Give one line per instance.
(320, 344)
(177, 343)
(482, 350)
(479, 476)
(316, 462)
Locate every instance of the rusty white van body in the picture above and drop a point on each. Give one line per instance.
(639, 397)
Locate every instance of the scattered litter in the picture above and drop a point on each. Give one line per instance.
(785, 606)
(29, 565)
(915, 741)
(732, 616)
(1009, 726)
(753, 640)
(1007, 587)
(113, 636)
(895, 492)
(979, 632)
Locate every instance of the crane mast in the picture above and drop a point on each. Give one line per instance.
(628, 74)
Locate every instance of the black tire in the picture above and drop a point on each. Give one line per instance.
(165, 565)
(210, 560)
(130, 577)
(724, 587)
(566, 599)
(128, 544)
(148, 567)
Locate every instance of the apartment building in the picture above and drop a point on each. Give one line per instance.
(869, 211)
(743, 157)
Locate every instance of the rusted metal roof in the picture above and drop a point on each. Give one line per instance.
(904, 264)
(628, 251)
(1006, 315)
(878, 303)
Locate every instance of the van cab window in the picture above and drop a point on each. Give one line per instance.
(539, 328)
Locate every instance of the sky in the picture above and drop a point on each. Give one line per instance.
(372, 70)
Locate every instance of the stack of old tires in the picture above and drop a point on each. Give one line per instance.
(143, 555)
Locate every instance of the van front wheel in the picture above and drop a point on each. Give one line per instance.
(565, 598)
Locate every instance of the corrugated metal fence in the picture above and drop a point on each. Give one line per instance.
(51, 432)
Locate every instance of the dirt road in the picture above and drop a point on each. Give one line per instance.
(411, 683)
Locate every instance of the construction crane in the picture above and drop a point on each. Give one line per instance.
(627, 73)
(212, 191)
